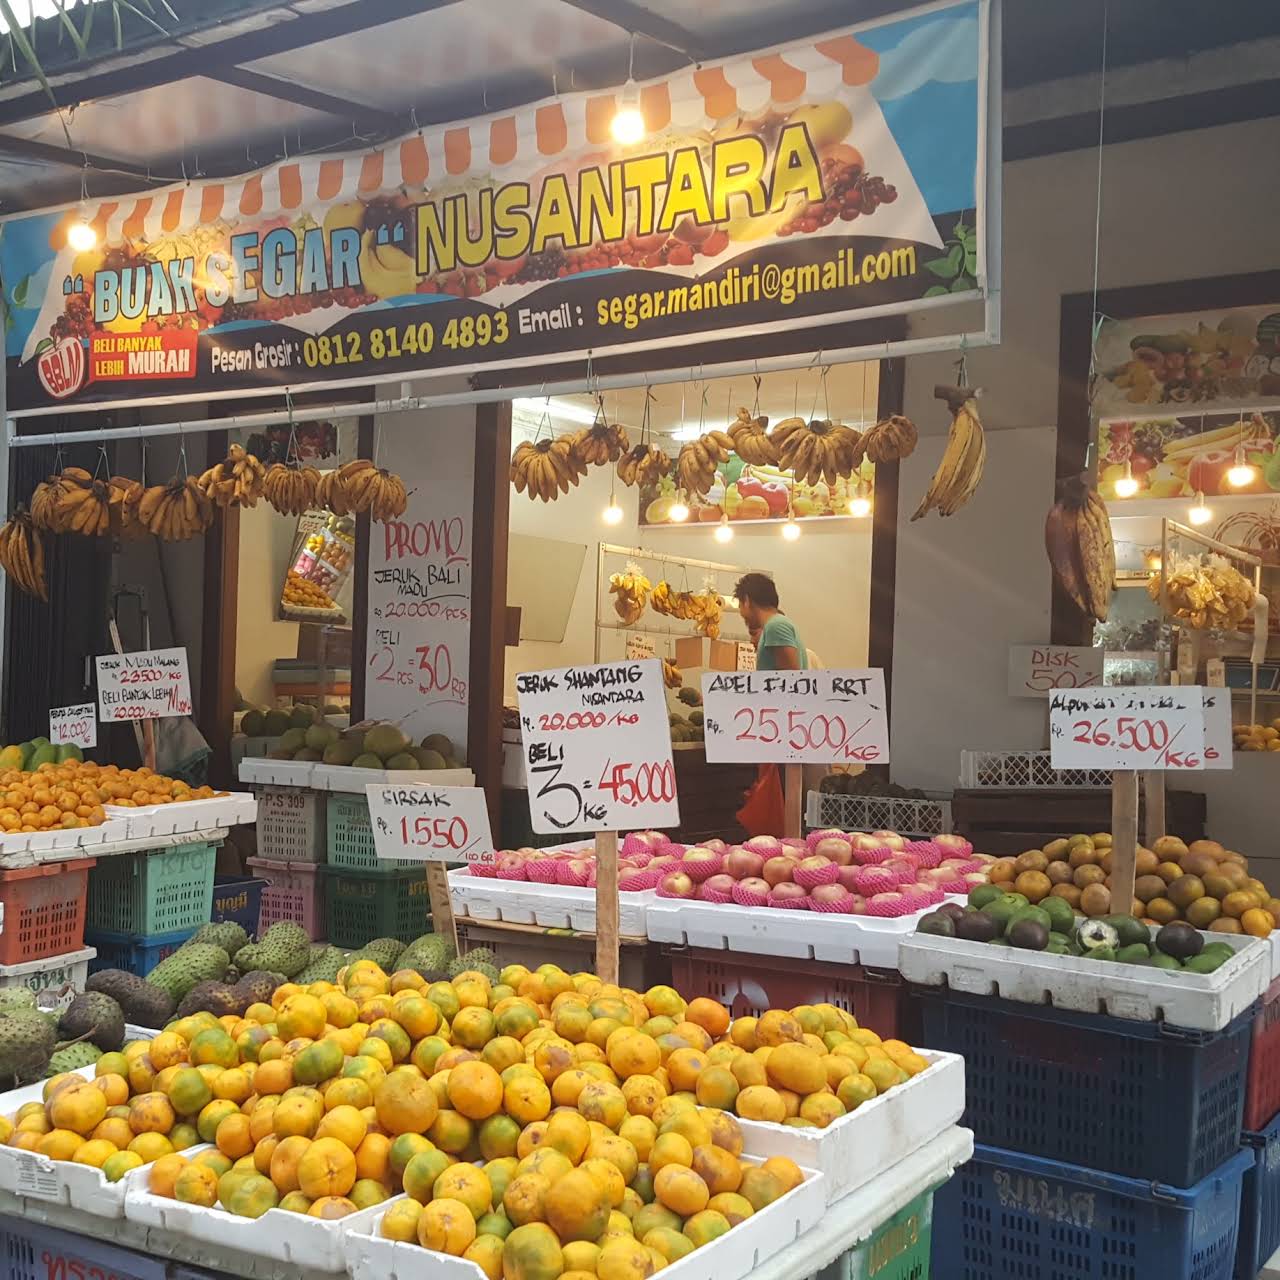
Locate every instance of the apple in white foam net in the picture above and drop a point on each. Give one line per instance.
(778, 870)
(890, 839)
(935, 876)
(699, 855)
(837, 850)
(742, 864)
(829, 893)
(719, 883)
(861, 840)
(755, 885)
(814, 862)
(765, 844)
(664, 860)
(847, 876)
(679, 885)
(786, 891)
(886, 899)
(902, 865)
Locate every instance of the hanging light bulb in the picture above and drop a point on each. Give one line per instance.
(723, 532)
(627, 126)
(860, 503)
(791, 530)
(612, 513)
(1242, 471)
(1128, 484)
(1199, 514)
(80, 234)
(679, 512)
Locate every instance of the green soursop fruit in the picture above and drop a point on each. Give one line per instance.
(284, 948)
(471, 960)
(143, 1004)
(27, 1040)
(232, 975)
(96, 1017)
(430, 951)
(14, 998)
(324, 967)
(258, 986)
(197, 962)
(385, 951)
(226, 934)
(72, 1058)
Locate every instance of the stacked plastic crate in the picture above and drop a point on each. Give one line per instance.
(291, 850)
(42, 925)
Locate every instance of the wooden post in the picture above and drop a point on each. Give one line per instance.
(607, 966)
(1153, 826)
(149, 744)
(442, 920)
(1124, 839)
(792, 799)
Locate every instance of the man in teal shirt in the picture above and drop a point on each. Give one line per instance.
(779, 647)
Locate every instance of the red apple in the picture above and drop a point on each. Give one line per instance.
(778, 871)
(665, 860)
(742, 864)
(836, 849)
(792, 842)
(861, 840)
(814, 862)
(829, 893)
(754, 884)
(848, 874)
(785, 891)
(1207, 470)
(763, 844)
(776, 495)
(890, 839)
(511, 863)
(859, 905)
(719, 883)
(904, 866)
(886, 898)
(700, 853)
(975, 878)
(679, 885)
(718, 845)
(581, 866)
(950, 842)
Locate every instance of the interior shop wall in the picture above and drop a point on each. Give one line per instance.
(980, 579)
(823, 578)
(266, 538)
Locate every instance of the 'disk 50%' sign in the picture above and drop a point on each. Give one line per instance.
(794, 717)
(597, 748)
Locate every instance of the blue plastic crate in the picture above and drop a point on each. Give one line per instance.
(31, 1251)
(1141, 1099)
(239, 899)
(1260, 1208)
(136, 953)
(1007, 1216)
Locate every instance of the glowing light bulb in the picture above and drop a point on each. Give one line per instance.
(1242, 472)
(612, 513)
(860, 503)
(723, 533)
(679, 513)
(81, 236)
(627, 125)
(1128, 484)
(791, 530)
(1199, 514)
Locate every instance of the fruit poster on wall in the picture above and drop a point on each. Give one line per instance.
(837, 177)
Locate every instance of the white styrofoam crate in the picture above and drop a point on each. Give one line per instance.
(735, 1254)
(292, 1238)
(800, 935)
(919, 818)
(859, 1147)
(554, 906)
(1197, 1001)
(345, 778)
(1023, 771)
(230, 810)
(66, 843)
(259, 772)
(70, 969)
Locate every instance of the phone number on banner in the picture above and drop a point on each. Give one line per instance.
(488, 328)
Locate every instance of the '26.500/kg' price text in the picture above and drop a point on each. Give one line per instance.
(1151, 739)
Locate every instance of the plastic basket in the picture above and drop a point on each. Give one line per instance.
(42, 909)
(291, 891)
(1023, 771)
(31, 1251)
(291, 824)
(897, 1250)
(750, 985)
(1260, 1205)
(132, 952)
(1085, 1087)
(350, 838)
(1262, 1093)
(237, 899)
(1008, 1216)
(877, 813)
(360, 905)
(158, 891)
(51, 974)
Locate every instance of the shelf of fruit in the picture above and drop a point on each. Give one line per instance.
(348, 1109)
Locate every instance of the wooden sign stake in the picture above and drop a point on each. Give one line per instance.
(442, 920)
(607, 965)
(792, 799)
(149, 744)
(1154, 824)
(1124, 839)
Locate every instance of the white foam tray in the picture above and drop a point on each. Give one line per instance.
(857, 1148)
(258, 771)
(342, 777)
(802, 935)
(69, 969)
(292, 1238)
(735, 1254)
(1199, 1002)
(66, 843)
(193, 816)
(553, 906)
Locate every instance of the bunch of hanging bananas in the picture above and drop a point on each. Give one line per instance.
(751, 441)
(697, 460)
(1077, 536)
(663, 599)
(599, 444)
(817, 450)
(331, 494)
(644, 465)
(175, 511)
(630, 590)
(960, 470)
(705, 610)
(891, 440)
(365, 487)
(546, 469)
(72, 502)
(290, 490)
(22, 555)
(236, 481)
(123, 498)
(671, 676)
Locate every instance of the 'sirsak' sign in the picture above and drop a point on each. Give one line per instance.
(838, 177)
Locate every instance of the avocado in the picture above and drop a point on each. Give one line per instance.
(1061, 917)
(1128, 930)
(1203, 963)
(952, 909)
(69, 751)
(1134, 953)
(251, 723)
(937, 925)
(1162, 961)
(978, 926)
(302, 716)
(984, 893)
(1028, 934)
(1031, 913)
(1002, 909)
(1179, 940)
(1058, 945)
(274, 723)
(1102, 953)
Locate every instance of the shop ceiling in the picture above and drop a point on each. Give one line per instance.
(217, 87)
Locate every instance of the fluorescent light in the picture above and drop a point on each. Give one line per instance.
(557, 409)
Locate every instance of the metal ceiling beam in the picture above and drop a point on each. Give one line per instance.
(638, 20)
(46, 152)
(302, 96)
(298, 33)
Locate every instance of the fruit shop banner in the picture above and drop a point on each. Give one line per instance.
(840, 177)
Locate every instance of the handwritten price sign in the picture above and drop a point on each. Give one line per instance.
(434, 824)
(597, 748)
(1036, 670)
(1139, 727)
(794, 717)
(76, 725)
(143, 686)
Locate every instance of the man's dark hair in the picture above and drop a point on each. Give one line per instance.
(759, 588)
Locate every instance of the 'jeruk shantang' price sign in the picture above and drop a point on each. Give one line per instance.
(795, 717)
(434, 824)
(143, 686)
(597, 748)
(1137, 727)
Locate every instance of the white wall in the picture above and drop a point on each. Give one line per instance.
(266, 538)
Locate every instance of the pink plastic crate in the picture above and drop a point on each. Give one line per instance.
(293, 892)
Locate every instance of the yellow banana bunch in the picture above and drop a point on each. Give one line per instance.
(546, 469)
(671, 675)
(818, 450)
(599, 444)
(891, 440)
(365, 487)
(697, 461)
(644, 465)
(22, 555)
(960, 470)
(1077, 537)
(290, 490)
(175, 511)
(663, 599)
(86, 508)
(49, 508)
(630, 591)
(751, 441)
(122, 498)
(236, 481)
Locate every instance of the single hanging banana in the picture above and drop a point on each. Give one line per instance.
(960, 470)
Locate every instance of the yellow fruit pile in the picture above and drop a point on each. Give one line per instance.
(1257, 737)
(305, 593)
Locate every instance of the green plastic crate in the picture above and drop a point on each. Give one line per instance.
(156, 891)
(362, 905)
(897, 1250)
(350, 838)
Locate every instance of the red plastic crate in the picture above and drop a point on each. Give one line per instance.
(748, 985)
(43, 910)
(294, 891)
(1262, 1092)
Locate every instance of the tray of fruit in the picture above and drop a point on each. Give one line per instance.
(205, 811)
(1001, 944)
